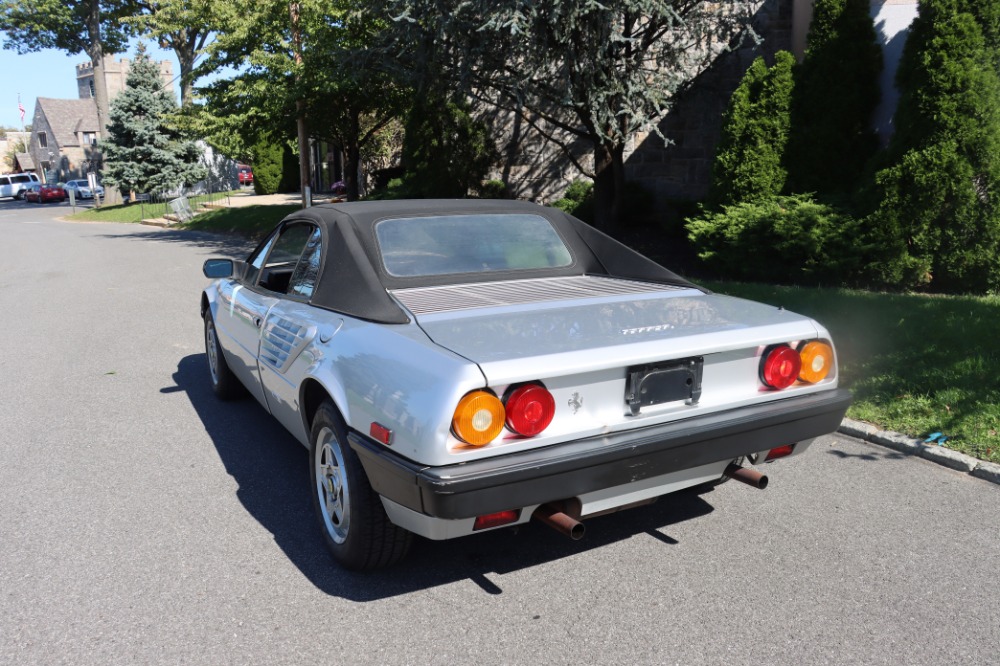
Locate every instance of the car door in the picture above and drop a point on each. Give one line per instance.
(289, 329)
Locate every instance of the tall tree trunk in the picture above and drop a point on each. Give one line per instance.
(305, 172)
(609, 187)
(352, 155)
(185, 60)
(96, 52)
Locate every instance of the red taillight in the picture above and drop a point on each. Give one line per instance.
(496, 519)
(780, 367)
(780, 452)
(530, 408)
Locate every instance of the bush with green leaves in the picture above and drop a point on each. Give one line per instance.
(781, 239)
(836, 93)
(749, 158)
(268, 159)
(578, 200)
(446, 151)
(938, 216)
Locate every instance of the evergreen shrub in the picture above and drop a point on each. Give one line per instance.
(749, 159)
(578, 200)
(268, 156)
(781, 239)
(937, 220)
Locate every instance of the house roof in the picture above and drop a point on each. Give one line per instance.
(25, 162)
(66, 117)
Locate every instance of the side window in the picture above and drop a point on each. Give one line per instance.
(256, 261)
(4, 180)
(307, 271)
(283, 256)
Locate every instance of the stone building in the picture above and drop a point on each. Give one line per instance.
(64, 132)
(115, 75)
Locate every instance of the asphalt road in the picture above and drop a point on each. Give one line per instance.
(144, 522)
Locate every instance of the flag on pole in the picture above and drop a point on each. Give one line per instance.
(20, 107)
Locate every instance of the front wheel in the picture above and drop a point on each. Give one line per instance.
(354, 524)
(224, 383)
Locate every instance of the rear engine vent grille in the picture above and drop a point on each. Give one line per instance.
(429, 300)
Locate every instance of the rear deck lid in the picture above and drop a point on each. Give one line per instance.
(524, 329)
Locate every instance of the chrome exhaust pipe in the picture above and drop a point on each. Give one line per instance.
(748, 476)
(552, 515)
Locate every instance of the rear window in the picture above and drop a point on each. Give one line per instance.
(21, 179)
(446, 245)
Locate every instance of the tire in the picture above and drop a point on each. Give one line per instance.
(353, 522)
(225, 385)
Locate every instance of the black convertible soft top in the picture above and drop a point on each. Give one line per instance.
(354, 281)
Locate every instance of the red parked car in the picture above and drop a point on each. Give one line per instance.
(40, 193)
(245, 174)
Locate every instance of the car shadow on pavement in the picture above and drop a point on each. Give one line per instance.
(226, 245)
(271, 470)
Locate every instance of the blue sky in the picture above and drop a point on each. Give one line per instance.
(49, 73)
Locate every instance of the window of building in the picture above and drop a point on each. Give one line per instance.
(89, 138)
(43, 140)
(92, 94)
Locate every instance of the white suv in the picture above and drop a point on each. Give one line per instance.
(13, 185)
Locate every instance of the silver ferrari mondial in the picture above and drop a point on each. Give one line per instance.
(460, 366)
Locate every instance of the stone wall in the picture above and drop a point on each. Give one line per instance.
(536, 169)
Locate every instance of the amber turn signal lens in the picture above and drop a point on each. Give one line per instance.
(478, 419)
(817, 361)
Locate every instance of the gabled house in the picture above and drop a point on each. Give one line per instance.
(63, 135)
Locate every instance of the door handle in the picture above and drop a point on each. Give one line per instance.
(257, 321)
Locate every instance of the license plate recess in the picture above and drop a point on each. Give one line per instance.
(666, 381)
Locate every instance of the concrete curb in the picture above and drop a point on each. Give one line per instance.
(915, 447)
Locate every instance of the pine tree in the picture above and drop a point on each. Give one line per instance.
(836, 92)
(939, 216)
(144, 152)
(748, 163)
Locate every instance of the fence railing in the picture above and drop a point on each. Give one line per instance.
(184, 201)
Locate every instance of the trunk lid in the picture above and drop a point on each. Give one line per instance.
(526, 329)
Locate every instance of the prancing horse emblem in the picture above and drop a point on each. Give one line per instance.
(575, 402)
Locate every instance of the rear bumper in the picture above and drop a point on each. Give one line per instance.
(586, 465)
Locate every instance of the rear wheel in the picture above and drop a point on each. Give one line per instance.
(224, 383)
(354, 524)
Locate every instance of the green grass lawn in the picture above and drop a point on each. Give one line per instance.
(135, 212)
(249, 221)
(916, 364)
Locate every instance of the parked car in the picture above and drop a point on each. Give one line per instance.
(458, 366)
(14, 185)
(245, 174)
(82, 189)
(41, 193)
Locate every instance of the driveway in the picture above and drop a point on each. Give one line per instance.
(144, 522)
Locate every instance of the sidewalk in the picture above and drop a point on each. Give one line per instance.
(248, 198)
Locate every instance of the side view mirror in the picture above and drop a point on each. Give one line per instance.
(218, 268)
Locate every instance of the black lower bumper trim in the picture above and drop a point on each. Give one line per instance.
(570, 469)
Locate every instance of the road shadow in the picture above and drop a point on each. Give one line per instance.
(271, 470)
(871, 457)
(224, 244)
